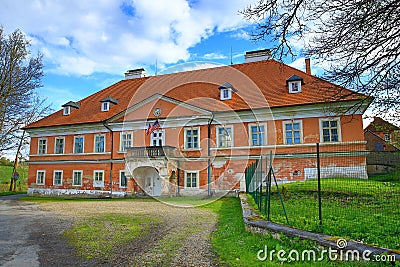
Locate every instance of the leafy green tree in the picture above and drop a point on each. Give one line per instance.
(358, 41)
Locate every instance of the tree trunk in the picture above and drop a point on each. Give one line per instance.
(13, 181)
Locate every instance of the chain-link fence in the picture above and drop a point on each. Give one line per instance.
(341, 190)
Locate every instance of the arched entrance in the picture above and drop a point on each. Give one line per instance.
(148, 179)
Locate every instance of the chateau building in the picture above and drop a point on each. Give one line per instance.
(193, 132)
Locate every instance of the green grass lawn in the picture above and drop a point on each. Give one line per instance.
(237, 247)
(5, 176)
(362, 210)
(99, 236)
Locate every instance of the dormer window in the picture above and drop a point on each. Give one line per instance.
(294, 87)
(105, 106)
(107, 102)
(226, 94)
(294, 83)
(69, 107)
(226, 91)
(67, 111)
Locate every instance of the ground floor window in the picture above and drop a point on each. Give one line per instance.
(123, 181)
(57, 178)
(77, 178)
(191, 179)
(98, 178)
(40, 177)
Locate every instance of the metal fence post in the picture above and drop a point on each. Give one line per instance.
(319, 186)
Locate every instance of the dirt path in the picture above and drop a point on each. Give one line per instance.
(180, 238)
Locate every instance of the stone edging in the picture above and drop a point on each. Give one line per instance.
(255, 223)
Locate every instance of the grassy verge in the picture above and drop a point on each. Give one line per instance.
(5, 176)
(237, 247)
(103, 237)
(362, 210)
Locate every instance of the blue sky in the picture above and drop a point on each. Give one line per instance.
(88, 45)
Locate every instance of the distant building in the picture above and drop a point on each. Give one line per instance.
(194, 132)
(382, 136)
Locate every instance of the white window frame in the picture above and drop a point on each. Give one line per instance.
(321, 132)
(120, 179)
(251, 135)
(44, 177)
(229, 94)
(67, 110)
(162, 137)
(197, 179)
(218, 135)
(284, 123)
(121, 143)
(95, 143)
(198, 138)
(45, 146)
(386, 137)
(55, 145)
(83, 144)
(105, 106)
(98, 183)
(54, 177)
(73, 177)
(292, 86)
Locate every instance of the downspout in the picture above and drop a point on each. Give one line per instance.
(208, 155)
(111, 156)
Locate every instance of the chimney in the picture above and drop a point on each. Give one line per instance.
(308, 66)
(136, 73)
(257, 55)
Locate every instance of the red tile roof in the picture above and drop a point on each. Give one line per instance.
(260, 84)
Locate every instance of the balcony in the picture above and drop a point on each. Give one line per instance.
(151, 152)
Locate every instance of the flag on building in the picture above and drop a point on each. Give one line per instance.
(152, 128)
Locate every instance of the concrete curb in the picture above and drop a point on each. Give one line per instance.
(254, 223)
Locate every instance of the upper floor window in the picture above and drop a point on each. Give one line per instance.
(78, 144)
(40, 177)
(99, 143)
(330, 130)
(192, 137)
(42, 146)
(107, 102)
(257, 134)
(126, 140)
(224, 136)
(292, 132)
(59, 145)
(57, 177)
(157, 138)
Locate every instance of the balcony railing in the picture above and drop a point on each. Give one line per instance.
(151, 151)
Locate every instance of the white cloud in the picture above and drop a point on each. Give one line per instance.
(214, 56)
(83, 37)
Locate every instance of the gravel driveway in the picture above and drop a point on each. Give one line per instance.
(30, 234)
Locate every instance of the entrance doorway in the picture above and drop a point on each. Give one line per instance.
(148, 180)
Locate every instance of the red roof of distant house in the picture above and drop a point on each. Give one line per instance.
(259, 84)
